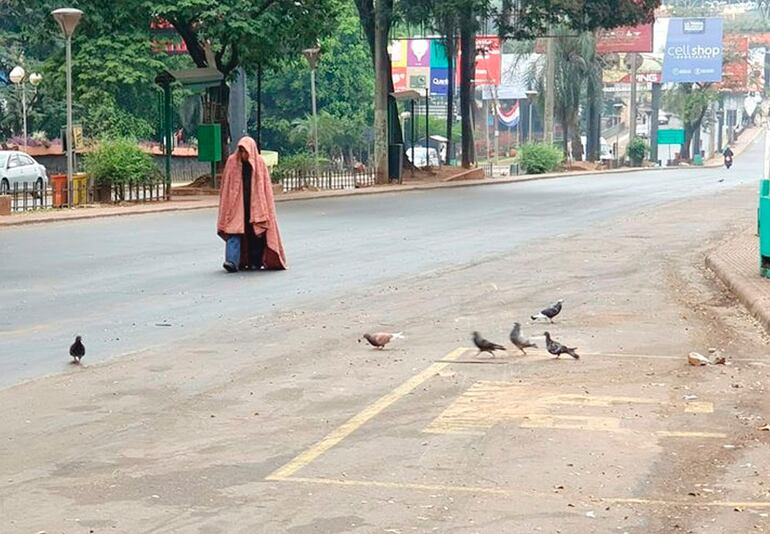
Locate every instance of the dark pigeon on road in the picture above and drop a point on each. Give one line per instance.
(550, 312)
(557, 349)
(484, 345)
(77, 350)
(520, 340)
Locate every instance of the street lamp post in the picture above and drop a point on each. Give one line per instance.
(68, 19)
(312, 55)
(618, 106)
(531, 96)
(18, 76)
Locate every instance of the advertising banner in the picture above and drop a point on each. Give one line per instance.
(398, 53)
(693, 51)
(625, 39)
(439, 81)
(418, 54)
(400, 83)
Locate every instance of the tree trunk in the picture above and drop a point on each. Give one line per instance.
(467, 69)
(382, 69)
(577, 143)
(450, 108)
(593, 134)
(382, 74)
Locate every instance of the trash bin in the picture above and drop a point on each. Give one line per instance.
(79, 189)
(764, 236)
(697, 160)
(764, 191)
(59, 185)
(395, 161)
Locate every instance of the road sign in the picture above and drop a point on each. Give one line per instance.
(671, 137)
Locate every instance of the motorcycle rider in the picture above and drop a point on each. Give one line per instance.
(728, 154)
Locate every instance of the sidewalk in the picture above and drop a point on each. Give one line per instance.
(736, 264)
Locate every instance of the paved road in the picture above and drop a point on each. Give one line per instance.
(127, 284)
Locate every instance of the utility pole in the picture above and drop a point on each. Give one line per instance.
(381, 91)
(632, 107)
(549, 91)
(656, 94)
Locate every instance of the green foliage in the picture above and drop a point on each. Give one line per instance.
(637, 150)
(119, 161)
(299, 162)
(345, 91)
(538, 158)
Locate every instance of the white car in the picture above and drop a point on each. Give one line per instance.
(18, 168)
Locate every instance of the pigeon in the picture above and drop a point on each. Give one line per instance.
(380, 339)
(77, 350)
(485, 346)
(520, 340)
(557, 349)
(550, 312)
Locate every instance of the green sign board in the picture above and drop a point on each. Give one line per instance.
(670, 137)
(209, 142)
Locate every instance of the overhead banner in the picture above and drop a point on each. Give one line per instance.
(625, 39)
(693, 51)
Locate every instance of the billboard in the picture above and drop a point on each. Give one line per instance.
(439, 81)
(488, 60)
(693, 51)
(625, 39)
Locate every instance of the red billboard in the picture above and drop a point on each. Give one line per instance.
(625, 39)
(735, 69)
(488, 61)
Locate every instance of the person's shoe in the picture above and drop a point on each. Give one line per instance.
(230, 267)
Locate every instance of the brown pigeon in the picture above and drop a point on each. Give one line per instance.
(380, 339)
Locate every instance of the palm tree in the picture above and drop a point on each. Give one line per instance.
(578, 72)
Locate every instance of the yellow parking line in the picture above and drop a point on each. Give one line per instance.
(677, 434)
(358, 420)
(663, 502)
(399, 485)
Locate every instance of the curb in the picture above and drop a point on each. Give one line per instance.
(743, 291)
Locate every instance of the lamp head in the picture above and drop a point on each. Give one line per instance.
(68, 19)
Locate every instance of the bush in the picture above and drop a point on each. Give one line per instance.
(537, 158)
(300, 163)
(637, 150)
(119, 162)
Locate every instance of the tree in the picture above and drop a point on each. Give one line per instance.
(243, 33)
(690, 102)
(345, 87)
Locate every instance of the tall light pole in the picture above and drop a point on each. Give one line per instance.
(19, 77)
(531, 96)
(312, 55)
(618, 106)
(68, 19)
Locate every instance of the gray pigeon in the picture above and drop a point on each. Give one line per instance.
(485, 346)
(550, 312)
(77, 350)
(557, 349)
(520, 340)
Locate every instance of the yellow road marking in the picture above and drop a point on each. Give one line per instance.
(683, 434)
(510, 492)
(398, 485)
(699, 407)
(663, 502)
(358, 420)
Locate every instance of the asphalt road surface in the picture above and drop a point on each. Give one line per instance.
(256, 410)
(126, 284)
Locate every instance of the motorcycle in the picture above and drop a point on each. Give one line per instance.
(728, 161)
